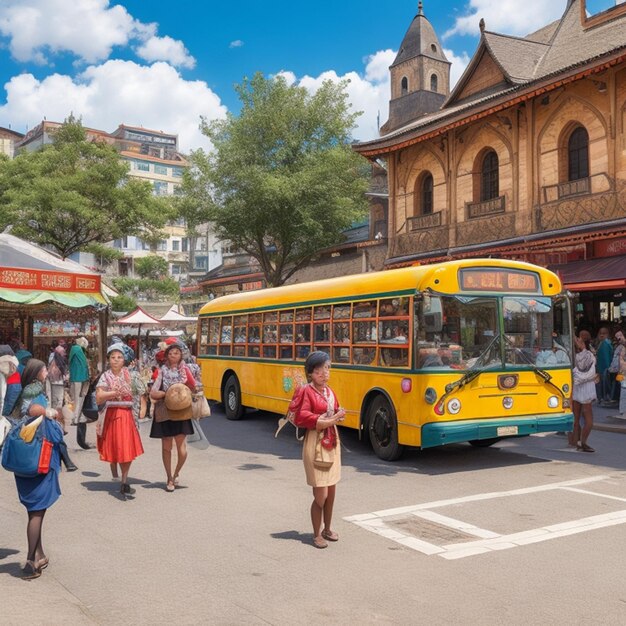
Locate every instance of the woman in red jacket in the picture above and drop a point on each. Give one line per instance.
(319, 412)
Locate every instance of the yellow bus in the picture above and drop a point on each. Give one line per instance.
(462, 351)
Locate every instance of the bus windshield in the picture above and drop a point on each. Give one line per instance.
(537, 331)
(460, 332)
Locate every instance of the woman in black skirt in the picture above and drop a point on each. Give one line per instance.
(169, 431)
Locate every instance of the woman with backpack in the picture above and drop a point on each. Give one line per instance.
(319, 412)
(40, 492)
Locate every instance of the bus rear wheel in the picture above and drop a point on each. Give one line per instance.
(383, 429)
(232, 399)
(484, 443)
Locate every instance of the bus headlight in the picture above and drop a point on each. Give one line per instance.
(454, 406)
(507, 402)
(565, 388)
(566, 403)
(430, 396)
(553, 402)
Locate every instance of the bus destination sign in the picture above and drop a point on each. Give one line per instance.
(499, 280)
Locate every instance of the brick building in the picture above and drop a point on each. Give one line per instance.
(525, 158)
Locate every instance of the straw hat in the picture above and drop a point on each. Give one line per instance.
(178, 401)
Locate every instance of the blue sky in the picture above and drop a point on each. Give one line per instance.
(161, 64)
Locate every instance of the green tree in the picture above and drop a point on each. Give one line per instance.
(76, 192)
(151, 266)
(123, 303)
(282, 181)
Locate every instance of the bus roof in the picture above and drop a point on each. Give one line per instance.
(440, 277)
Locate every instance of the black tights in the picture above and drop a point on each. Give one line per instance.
(33, 534)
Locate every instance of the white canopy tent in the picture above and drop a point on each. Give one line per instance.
(174, 315)
(138, 318)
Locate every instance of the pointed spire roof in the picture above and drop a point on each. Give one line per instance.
(420, 39)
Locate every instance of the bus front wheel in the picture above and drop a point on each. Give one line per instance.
(383, 429)
(232, 399)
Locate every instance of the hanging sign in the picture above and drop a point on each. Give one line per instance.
(41, 280)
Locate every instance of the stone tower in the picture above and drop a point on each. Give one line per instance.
(420, 75)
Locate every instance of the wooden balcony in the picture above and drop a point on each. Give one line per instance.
(423, 222)
(486, 208)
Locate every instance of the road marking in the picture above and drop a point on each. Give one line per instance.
(487, 540)
(443, 520)
(403, 510)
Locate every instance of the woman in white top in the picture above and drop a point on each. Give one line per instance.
(583, 394)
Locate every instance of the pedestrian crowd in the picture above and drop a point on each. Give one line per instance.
(38, 399)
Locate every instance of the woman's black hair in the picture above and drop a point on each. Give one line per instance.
(314, 360)
(31, 371)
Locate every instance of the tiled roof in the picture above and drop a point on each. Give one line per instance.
(419, 40)
(518, 58)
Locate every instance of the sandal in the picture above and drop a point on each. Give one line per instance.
(30, 571)
(320, 543)
(42, 563)
(585, 448)
(170, 486)
(330, 535)
(175, 481)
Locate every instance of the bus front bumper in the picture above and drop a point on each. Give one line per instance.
(441, 433)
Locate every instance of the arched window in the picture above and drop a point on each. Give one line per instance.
(427, 194)
(423, 194)
(404, 85)
(489, 184)
(433, 82)
(578, 154)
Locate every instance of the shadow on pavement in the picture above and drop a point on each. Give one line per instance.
(294, 535)
(11, 569)
(255, 434)
(5, 552)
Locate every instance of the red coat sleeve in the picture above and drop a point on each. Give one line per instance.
(308, 414)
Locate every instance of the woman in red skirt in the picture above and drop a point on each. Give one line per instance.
(118, 438)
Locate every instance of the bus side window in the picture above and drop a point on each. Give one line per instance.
(341, 355)
(363, 356)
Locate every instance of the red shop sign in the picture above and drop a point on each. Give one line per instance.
(37, 280)
(609, 247)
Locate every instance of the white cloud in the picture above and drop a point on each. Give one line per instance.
(88, 29)
(166, 49)
(459, 63)
(507, 16)
(236, 44)
(370, 92)
(113, 93)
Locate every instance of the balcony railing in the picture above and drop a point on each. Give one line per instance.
(423, 222)
(574, 187)
(485, 208)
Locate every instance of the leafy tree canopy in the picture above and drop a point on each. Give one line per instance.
(123, 303)
(76, 192)
(282, 182)
(151, 266)
(153, 289)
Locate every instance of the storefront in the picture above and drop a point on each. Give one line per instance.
(44, 297)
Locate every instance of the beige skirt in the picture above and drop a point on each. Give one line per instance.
(319, 477)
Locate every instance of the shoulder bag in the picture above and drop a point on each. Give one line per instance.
(27, 458)
(199, 405)
(325, 448)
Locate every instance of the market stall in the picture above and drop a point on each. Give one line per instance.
(44, 297)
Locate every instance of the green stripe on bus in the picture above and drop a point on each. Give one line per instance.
(369, 368)
(298, 305)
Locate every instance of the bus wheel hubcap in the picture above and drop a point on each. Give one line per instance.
(381, 427)
(232, 401)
